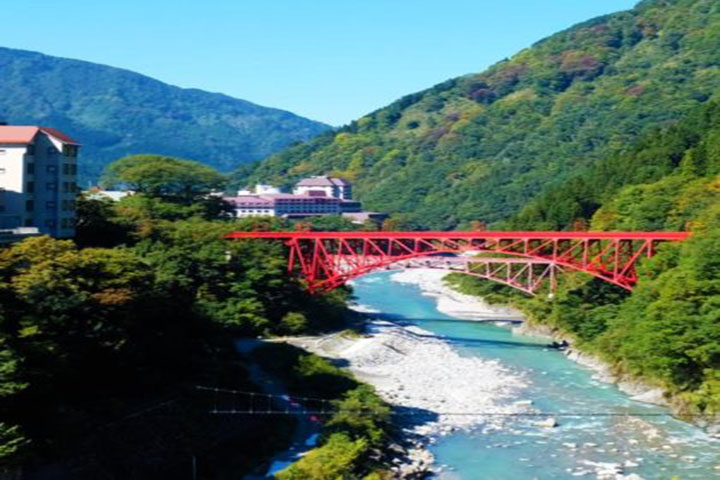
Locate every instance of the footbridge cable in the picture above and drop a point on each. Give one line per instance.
(240, 402)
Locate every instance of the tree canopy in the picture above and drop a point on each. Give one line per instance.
(161, 176)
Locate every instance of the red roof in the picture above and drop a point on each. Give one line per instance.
(59, 135)
(23, 135)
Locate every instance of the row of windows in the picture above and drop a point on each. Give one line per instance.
(68, 150)
(50, 206)
(68, 222)
(67, 187)
(67, 169)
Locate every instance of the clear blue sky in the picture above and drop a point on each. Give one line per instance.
(330, 60)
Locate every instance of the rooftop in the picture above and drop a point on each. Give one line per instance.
(323, 181)
(24, 135)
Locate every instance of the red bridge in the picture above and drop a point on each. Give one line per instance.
(523, 260)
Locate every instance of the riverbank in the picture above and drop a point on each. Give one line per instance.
(638, 389)
(456, 304)
(434, 390)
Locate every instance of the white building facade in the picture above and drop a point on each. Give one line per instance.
(284, 205)
(330, 186)
(38, 179)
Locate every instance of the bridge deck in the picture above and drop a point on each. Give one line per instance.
(533, 235)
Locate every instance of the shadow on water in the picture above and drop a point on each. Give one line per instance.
(404, 321)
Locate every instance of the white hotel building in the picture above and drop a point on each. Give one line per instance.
(38, 180)
(314, 196)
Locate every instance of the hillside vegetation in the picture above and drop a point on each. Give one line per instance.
(479, 147)
(103, 339)
(668, 330)
(115, 112)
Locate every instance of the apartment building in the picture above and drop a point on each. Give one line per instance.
(38, 179)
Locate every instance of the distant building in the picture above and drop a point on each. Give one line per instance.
(38, 180)
(114, 195)
(260, 189)
(11, 235)
(365, 217)
(314, 196)
(284, 205)
(331, 187)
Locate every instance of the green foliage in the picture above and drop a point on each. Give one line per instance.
(334, 460)
(113, 112)
(360, 423)
(362, 414)
(667, 331)
(136, 317)
(11, 442)
(293, 323)
(480, 147)
(164, 177)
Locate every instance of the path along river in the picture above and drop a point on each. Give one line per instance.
(600, 443)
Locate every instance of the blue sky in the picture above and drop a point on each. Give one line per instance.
(330, 60)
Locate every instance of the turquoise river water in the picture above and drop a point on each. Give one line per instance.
(650, 446)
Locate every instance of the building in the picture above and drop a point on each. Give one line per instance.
(38, 180)
(260, 189)
(331, 187)
(12, 235)
(311, 197)
(284, 205)
(114, 195)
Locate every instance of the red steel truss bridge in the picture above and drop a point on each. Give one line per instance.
(523, 260)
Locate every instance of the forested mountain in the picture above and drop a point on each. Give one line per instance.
(666, 331)
(481, 146)
(116, 112)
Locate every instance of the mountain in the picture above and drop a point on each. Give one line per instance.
(481, 146)
(666, 331)
(115, 112)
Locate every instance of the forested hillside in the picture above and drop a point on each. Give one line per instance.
(483, 145)
(666, 331)
(103, 340)
(116, 112)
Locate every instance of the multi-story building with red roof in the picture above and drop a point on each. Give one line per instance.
(38, 175)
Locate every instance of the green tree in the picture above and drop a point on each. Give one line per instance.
(165, 177)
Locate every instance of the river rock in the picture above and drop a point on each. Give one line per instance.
(547, 423)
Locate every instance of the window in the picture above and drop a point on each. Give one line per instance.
(30, 187)
(51, 169)
(70, 150)
(73, 169)
(66, 187)
(29, 222)
(2, 170)
(51, 186)
(51, 150)
(51, 206)
(29, 205)
(66, 169)
(30, 167)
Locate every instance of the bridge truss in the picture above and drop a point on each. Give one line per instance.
(524, 260)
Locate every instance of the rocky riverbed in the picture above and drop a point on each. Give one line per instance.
(434, 390)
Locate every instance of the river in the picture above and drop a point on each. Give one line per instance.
(593, 435)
